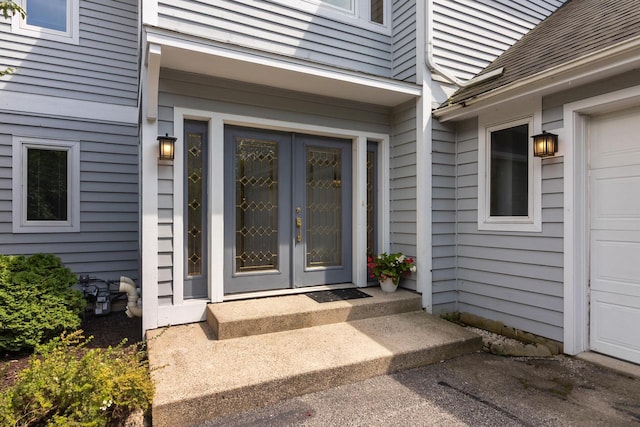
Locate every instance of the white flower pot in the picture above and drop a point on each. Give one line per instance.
(388, 285)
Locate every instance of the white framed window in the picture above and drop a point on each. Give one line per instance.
(340, 4)
(509, 187)
(370, 14)
(46, 186)
(49, 19)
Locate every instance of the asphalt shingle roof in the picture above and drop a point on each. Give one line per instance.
(577, 28)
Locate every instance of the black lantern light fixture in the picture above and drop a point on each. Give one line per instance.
(166, 146)
(545, 144)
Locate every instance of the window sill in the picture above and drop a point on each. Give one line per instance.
(45, 35)
(506, 225)
(28, 228)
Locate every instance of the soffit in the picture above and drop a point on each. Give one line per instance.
(284, 73)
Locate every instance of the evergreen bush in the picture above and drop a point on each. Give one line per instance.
(37, 302)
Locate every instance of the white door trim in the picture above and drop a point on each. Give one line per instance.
(576, 236)
(217, 121)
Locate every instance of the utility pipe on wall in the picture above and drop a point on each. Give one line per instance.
(128, 286)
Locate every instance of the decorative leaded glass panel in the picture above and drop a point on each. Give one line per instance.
(324, 207)
(256, 205)
(371, 202)
(195, 194)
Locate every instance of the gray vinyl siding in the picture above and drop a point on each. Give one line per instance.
(218, 95)
(468, 35)
(402, 185)
(272, 27)
(553, 105)
(443, 218)
(516, 278)
(165, 232)
(107, 244)
(103, 67)
(404, 41)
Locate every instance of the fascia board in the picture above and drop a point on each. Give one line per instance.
(374, 89)
(613, 60)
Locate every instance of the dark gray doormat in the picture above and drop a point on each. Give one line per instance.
(336, 295)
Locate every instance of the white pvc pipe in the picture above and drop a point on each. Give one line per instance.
(129, 287)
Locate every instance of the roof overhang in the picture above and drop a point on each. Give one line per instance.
(194, 55)
(611, 61)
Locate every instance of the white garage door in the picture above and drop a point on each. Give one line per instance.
(615, 234)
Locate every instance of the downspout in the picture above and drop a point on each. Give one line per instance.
(435, 68)
(424, 174)
(129, 287)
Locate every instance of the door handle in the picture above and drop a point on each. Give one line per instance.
(299, 227)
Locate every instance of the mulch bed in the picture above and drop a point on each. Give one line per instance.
(107, 331)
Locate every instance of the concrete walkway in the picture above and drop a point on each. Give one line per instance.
(199, 378)
(478, 389)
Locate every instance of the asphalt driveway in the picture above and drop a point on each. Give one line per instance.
(477, 390)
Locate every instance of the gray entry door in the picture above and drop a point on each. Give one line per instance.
(322, 207)
(287, 210)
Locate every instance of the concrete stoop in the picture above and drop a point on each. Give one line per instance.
(263, 316)
(199, 378)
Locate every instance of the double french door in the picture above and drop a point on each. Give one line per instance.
(287, 210)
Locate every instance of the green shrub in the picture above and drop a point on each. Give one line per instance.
(67, 384)
(36, 301)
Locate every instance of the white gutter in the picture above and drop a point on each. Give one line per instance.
(431, 63)
(590, 66)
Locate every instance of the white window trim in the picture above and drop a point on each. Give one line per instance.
(72, 35)
(360, 16)
(533, 221)
(20, 222)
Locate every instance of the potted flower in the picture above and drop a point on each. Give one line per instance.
(388, 269)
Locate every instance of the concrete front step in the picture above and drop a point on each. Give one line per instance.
(199, 378)
(235, 319)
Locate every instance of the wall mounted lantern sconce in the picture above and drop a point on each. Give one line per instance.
(166, 145)
(545, 144)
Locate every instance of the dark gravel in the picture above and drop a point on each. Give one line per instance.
(107, 331)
